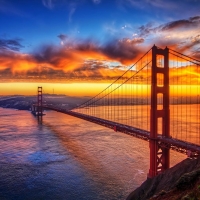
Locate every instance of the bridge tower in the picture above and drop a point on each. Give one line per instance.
(39, 102)
(159, 156)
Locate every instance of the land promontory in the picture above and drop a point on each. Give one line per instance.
(181, 182)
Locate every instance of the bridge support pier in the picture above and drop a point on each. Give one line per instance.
(159, 156)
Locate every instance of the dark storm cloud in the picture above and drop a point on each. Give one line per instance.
(12, 44)
(184, 23)
(123, 50)
(192, 22)
(196, 18)
(85, 45)
(73, 53)
(49, 53)
(145, 30)
(74, 60)
(62, 37)
(58, 62)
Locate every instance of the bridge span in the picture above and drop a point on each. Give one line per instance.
(156, 99)
(172, 143)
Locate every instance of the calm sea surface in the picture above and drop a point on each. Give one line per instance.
(68, 158)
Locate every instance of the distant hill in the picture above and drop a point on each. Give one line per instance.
(25, 102)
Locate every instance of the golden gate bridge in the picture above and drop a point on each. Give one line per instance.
(156, 99)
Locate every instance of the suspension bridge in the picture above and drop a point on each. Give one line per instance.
(156, 99)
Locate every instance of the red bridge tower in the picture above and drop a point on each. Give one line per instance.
(159, 156)
(39, 102)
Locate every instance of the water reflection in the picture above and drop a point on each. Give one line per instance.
(89, 161)
(68, 158)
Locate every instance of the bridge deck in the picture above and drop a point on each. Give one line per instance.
(174, 144)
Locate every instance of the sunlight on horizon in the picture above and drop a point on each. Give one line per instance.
(71, 89)
(89, 89)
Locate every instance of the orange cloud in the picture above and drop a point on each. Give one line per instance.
(16, 62)
(84, 59)
(81, 60)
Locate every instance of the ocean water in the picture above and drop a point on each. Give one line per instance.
(68, 158)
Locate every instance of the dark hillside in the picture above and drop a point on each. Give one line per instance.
(179, 182)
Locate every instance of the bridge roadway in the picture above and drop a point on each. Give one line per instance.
(172, 143)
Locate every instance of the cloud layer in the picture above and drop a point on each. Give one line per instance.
(11, 44)
(90, 59)
(77, 58)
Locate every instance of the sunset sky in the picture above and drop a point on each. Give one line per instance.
(77, 47)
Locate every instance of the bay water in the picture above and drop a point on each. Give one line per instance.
(68, 158)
